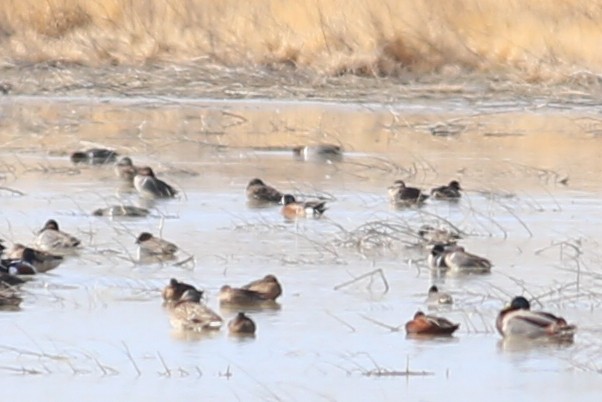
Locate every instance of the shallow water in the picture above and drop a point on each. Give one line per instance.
(96, 324)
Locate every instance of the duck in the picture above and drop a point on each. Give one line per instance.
(435, 297)
(449, 192)
(94, 156)
(51, 238)
(319, 153)
(126, 170)
(239, 296)
(42, 260)
(189, 314)
(151, 245)
(149, 186)
(436, 258)
(268, 287)
(423, 324)
(241, 325)
(259, 192)
(173, 292)
(518, 320)
(401, 195)
(432, 236)
(293, 209)
(457, 259)
(121, 210)
(20, 266)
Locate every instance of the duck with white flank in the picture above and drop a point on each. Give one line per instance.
(149, 186)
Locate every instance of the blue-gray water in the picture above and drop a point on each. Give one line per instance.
(95, 326)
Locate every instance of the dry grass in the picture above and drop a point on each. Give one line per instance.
(531, 40)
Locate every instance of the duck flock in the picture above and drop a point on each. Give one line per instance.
(185, 303)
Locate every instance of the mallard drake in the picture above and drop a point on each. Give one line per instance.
(259, 192)
(94, 156)
(175, 289)
(435, 297)
(241, 325)
(151, 245)
(319, 153)
(268, 287)
(126, 170)
(149, 186)
(401, 195)
(189, 314)
(517, 320)
(239, 296)
(42, 260)
(449, 192)
(51, 238)
(293, 209)
(423, 324)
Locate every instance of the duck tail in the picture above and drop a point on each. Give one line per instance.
(565, 332)
(320, 208)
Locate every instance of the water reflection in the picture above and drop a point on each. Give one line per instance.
(521, 345)
(267, 305)
(319, 153)
(242, 338)
(435, 338)
(195, 336)
(310, 257)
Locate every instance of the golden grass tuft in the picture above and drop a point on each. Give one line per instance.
(534, 40)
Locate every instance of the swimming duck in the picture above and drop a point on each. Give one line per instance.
(436, 258)
(241, 325)
(51, 238)
(20, 266)
(126, 170)
(293, 209)
(149, 186)
(319, 153)
(239, 296)
(42, 261)
(189, 314)
(258, 191)
(268, 287)
(423, 324)
(175, 289)
(435, 297)
(401, 195)
(94, 156)
(121, 210)
(449, 192)
(151, 245)
(518, 320)
(457, 259)
(433, 236)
